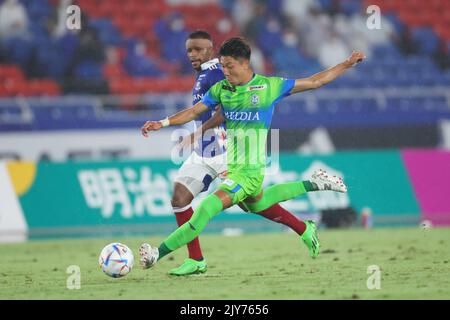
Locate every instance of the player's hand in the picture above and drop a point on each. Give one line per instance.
(150, 126)
(356, 57)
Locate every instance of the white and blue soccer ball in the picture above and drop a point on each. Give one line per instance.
(116, 260)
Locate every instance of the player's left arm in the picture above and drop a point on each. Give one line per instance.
(216, 120)
(319, 79)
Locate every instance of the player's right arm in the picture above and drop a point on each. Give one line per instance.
(177, 119)
(319, 79)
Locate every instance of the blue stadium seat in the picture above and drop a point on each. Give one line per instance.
(89, 70)
(427, 39)
(108, 33)
(39, 10)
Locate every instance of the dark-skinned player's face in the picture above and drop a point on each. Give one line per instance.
(235, 70)
(199, 51)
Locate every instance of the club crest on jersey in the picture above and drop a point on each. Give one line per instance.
(198, 86)
(254, 99)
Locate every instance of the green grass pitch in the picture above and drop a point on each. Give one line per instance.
(414, 264)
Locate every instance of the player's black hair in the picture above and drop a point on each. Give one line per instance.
(200, 34)
(236, 47)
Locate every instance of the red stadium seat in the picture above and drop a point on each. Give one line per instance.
(3, 91)
(15, 88)
(111, 70)
(43, 87)
(10, 72)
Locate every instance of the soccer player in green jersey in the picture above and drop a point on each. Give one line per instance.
(248, 101)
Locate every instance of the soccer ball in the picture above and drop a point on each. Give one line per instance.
(426, 224)
(116, 260)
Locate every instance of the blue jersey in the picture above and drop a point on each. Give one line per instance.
(211, 144)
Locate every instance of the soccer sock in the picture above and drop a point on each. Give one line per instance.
(278, 214)
(206, 210)
(279, 193)
(182, 215)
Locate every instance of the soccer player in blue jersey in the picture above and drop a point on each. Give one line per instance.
(201, 168)
(208, 161)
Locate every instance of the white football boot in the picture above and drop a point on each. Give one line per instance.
(327, 182)
(149, 255)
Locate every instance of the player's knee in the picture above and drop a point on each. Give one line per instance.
(179, 201)
(181, 198)
(255, 207)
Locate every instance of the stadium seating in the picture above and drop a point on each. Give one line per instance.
(150, 59)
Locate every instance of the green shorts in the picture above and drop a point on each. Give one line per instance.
(240, 185)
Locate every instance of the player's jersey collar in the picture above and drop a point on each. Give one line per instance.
(244, 86)
(209, 64)
(249, 82)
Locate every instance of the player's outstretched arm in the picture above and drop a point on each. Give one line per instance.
(216, 120)
(177, 119)
(319, 79)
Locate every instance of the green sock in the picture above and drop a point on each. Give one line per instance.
(309, 186)
(206, 210)
(163, 250)
(279, 193)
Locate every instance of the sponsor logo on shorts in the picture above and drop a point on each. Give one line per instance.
(228, 182)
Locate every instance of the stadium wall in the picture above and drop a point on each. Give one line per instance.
(133, 197)
(68, 145)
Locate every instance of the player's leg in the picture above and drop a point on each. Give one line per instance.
(280, 215)
(230, 192)
(193, 177)
(181, 204)
(320, 181)
(265, 204)
(206, 210)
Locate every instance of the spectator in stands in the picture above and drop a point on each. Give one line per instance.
(313, 29)
(258, 62)
(270, 36)
(172, 34)
(138, 64)
(256, 23)
(353, 35)
(243, 12)
(331, 7)
(227, 5)
(274, 7)
(288, 58)
(405, 42)
(13, 20)
(190, 2)
(89, 53)
(332, 50)
(441, 56)
(299, 10)
(60, 27)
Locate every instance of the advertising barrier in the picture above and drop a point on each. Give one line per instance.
(429, 172)
(133, 197)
